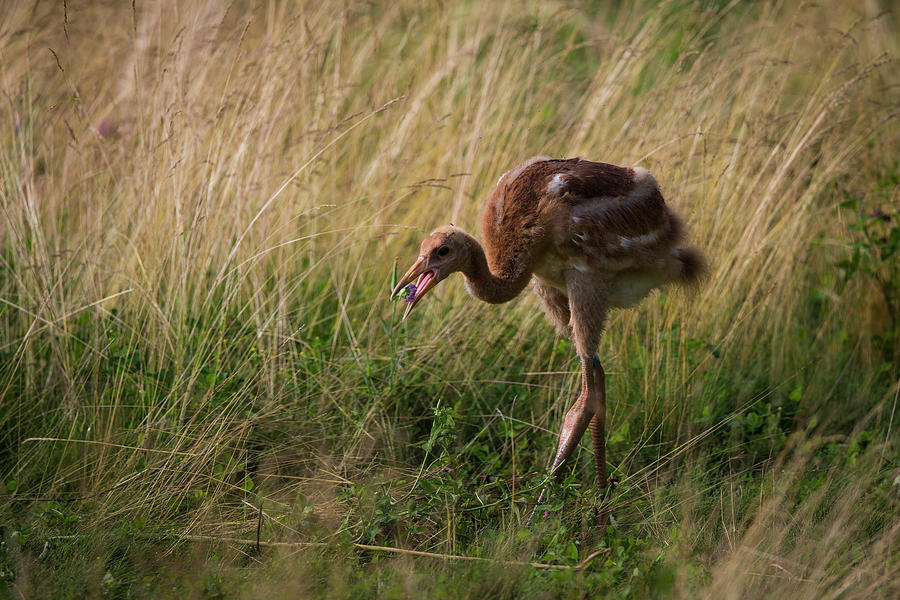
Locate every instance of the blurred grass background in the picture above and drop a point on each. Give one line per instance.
(202, 208)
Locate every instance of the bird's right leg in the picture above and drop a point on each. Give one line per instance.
(555, 305)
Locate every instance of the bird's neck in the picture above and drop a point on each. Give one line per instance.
(493, 286)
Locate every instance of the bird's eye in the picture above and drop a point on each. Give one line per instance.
(443, 251)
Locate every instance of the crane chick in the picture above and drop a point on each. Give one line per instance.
(590, 236)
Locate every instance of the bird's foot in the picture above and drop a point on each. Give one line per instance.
(531, 516)
(603, 513)
(534, 510)
(603, 517)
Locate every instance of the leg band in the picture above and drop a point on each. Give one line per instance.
(597, 362)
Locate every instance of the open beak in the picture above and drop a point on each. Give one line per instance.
(425, 279)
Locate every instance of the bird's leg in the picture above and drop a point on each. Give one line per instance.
(587, 309)
(598, 426)
(577, 419)
(582, 414)
(598, 437)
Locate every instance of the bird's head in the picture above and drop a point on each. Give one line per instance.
(442, 253)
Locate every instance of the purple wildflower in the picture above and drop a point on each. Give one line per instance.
(106, 129)
(880, 215)
(410, 292)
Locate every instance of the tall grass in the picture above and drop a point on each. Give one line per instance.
(203, 206)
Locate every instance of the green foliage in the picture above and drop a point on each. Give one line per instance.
(875, 253)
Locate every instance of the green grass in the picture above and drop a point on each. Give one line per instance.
(202, 212)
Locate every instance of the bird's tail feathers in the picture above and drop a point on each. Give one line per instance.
(694, 267)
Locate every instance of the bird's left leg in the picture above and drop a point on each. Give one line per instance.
(575, 423)
(587, 305)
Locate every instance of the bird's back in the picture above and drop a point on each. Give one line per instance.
(548, 215)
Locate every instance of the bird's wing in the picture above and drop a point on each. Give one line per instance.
(616, 213)
(513, 222)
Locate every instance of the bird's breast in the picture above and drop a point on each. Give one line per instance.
(552, 268)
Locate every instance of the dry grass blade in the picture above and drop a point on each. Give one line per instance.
(389, 549)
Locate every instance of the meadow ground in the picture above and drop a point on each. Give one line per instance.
(205, 391)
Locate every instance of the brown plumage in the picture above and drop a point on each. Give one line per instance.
(590, 236)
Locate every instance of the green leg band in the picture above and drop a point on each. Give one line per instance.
(596, 361)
